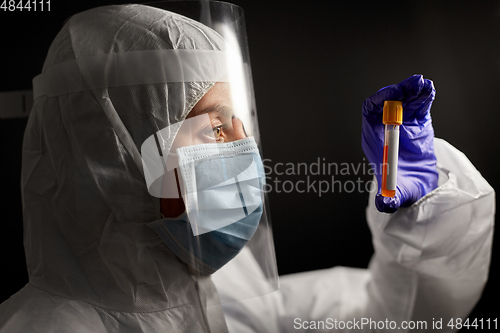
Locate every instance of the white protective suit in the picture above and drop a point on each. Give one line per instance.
(95, 266)
(431, 261)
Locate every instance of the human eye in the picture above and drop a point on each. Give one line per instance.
(214, 132)
(218, 132)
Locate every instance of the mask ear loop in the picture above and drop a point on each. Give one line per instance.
(182, 208)
(177, 182)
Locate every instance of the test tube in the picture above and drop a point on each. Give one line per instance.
(392, 118)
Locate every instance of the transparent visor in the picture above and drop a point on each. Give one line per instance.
(210, 164)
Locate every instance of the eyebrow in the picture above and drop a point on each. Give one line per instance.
(223, 109)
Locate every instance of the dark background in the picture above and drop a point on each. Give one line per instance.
(313, 64)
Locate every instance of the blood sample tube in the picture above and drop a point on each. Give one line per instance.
(392, 118)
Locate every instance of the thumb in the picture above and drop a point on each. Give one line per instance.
(387, 204)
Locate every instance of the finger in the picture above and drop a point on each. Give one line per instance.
(386, 204)
(413, 91)
(421, 105)
(374, 104)
(412, 87)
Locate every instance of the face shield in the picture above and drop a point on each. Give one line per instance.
(211, 160)
(184, 112)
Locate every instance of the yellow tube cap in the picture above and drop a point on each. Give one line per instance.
(393, 113)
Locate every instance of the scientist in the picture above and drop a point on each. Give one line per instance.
(143, 204)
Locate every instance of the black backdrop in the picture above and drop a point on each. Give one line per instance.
(313, 64)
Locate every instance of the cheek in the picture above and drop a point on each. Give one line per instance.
(184, 140)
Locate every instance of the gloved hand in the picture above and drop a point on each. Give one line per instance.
(417, 174)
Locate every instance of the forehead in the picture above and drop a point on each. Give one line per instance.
(217, 99)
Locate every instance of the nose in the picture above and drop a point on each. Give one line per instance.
(238, 130)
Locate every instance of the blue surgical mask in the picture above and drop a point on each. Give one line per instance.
(222, 186)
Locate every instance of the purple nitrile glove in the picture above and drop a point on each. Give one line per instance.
(417, 174)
